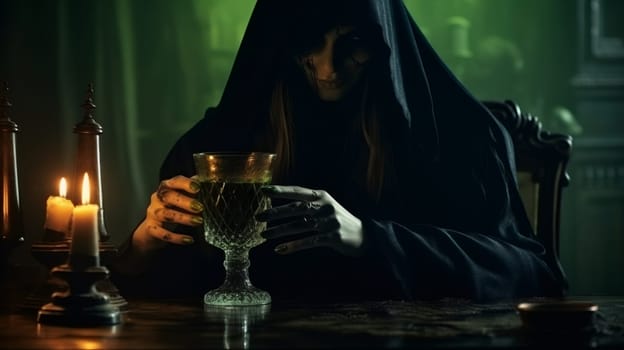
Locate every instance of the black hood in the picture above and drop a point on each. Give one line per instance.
(430, 97)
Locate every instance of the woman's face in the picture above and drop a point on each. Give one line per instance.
(335, 63)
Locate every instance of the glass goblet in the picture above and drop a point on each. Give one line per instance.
(230, 192)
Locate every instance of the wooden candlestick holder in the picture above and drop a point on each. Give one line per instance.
(53, 253)
(81, 304)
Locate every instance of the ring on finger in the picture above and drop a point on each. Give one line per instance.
(312, 205)
(311, 221)
(316, 194)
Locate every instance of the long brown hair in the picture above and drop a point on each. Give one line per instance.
(380, 172)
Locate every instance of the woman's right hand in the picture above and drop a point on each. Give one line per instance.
(173, 202)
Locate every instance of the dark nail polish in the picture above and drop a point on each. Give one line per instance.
(195, 187)
(281, 249)
(196, 206)
(268, 188)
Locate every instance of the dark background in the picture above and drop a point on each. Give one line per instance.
(157, 64)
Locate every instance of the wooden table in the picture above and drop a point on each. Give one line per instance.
(184, 324)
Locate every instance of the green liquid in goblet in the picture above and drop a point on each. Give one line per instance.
(229, 215)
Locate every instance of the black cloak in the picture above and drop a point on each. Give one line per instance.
(455, 228)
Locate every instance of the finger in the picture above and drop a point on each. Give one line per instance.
(306, 224)
(293, 192)
(289, 210)
(163, 214)
(180, 182)
(302, 225)
(316, 241)
(160, 233)
(177, 199)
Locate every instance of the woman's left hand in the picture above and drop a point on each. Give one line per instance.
(312, 212)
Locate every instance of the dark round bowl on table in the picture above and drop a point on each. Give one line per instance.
(558, 316)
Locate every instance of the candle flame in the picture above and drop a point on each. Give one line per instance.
(63, 188)
(86, 194)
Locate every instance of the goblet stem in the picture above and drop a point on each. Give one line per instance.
(236, 265)
(237, 289)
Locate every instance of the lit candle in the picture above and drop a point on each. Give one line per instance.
(59, 211)
(85, 234)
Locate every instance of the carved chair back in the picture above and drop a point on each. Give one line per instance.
(541, 161)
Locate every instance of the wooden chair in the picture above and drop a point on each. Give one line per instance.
(541, 161)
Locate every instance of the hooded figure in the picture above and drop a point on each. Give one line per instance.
(411, 177)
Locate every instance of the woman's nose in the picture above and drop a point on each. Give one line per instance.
(324, 64)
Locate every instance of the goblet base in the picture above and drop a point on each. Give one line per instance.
(224, 296)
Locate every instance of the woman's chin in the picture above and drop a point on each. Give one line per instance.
(331, 95)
